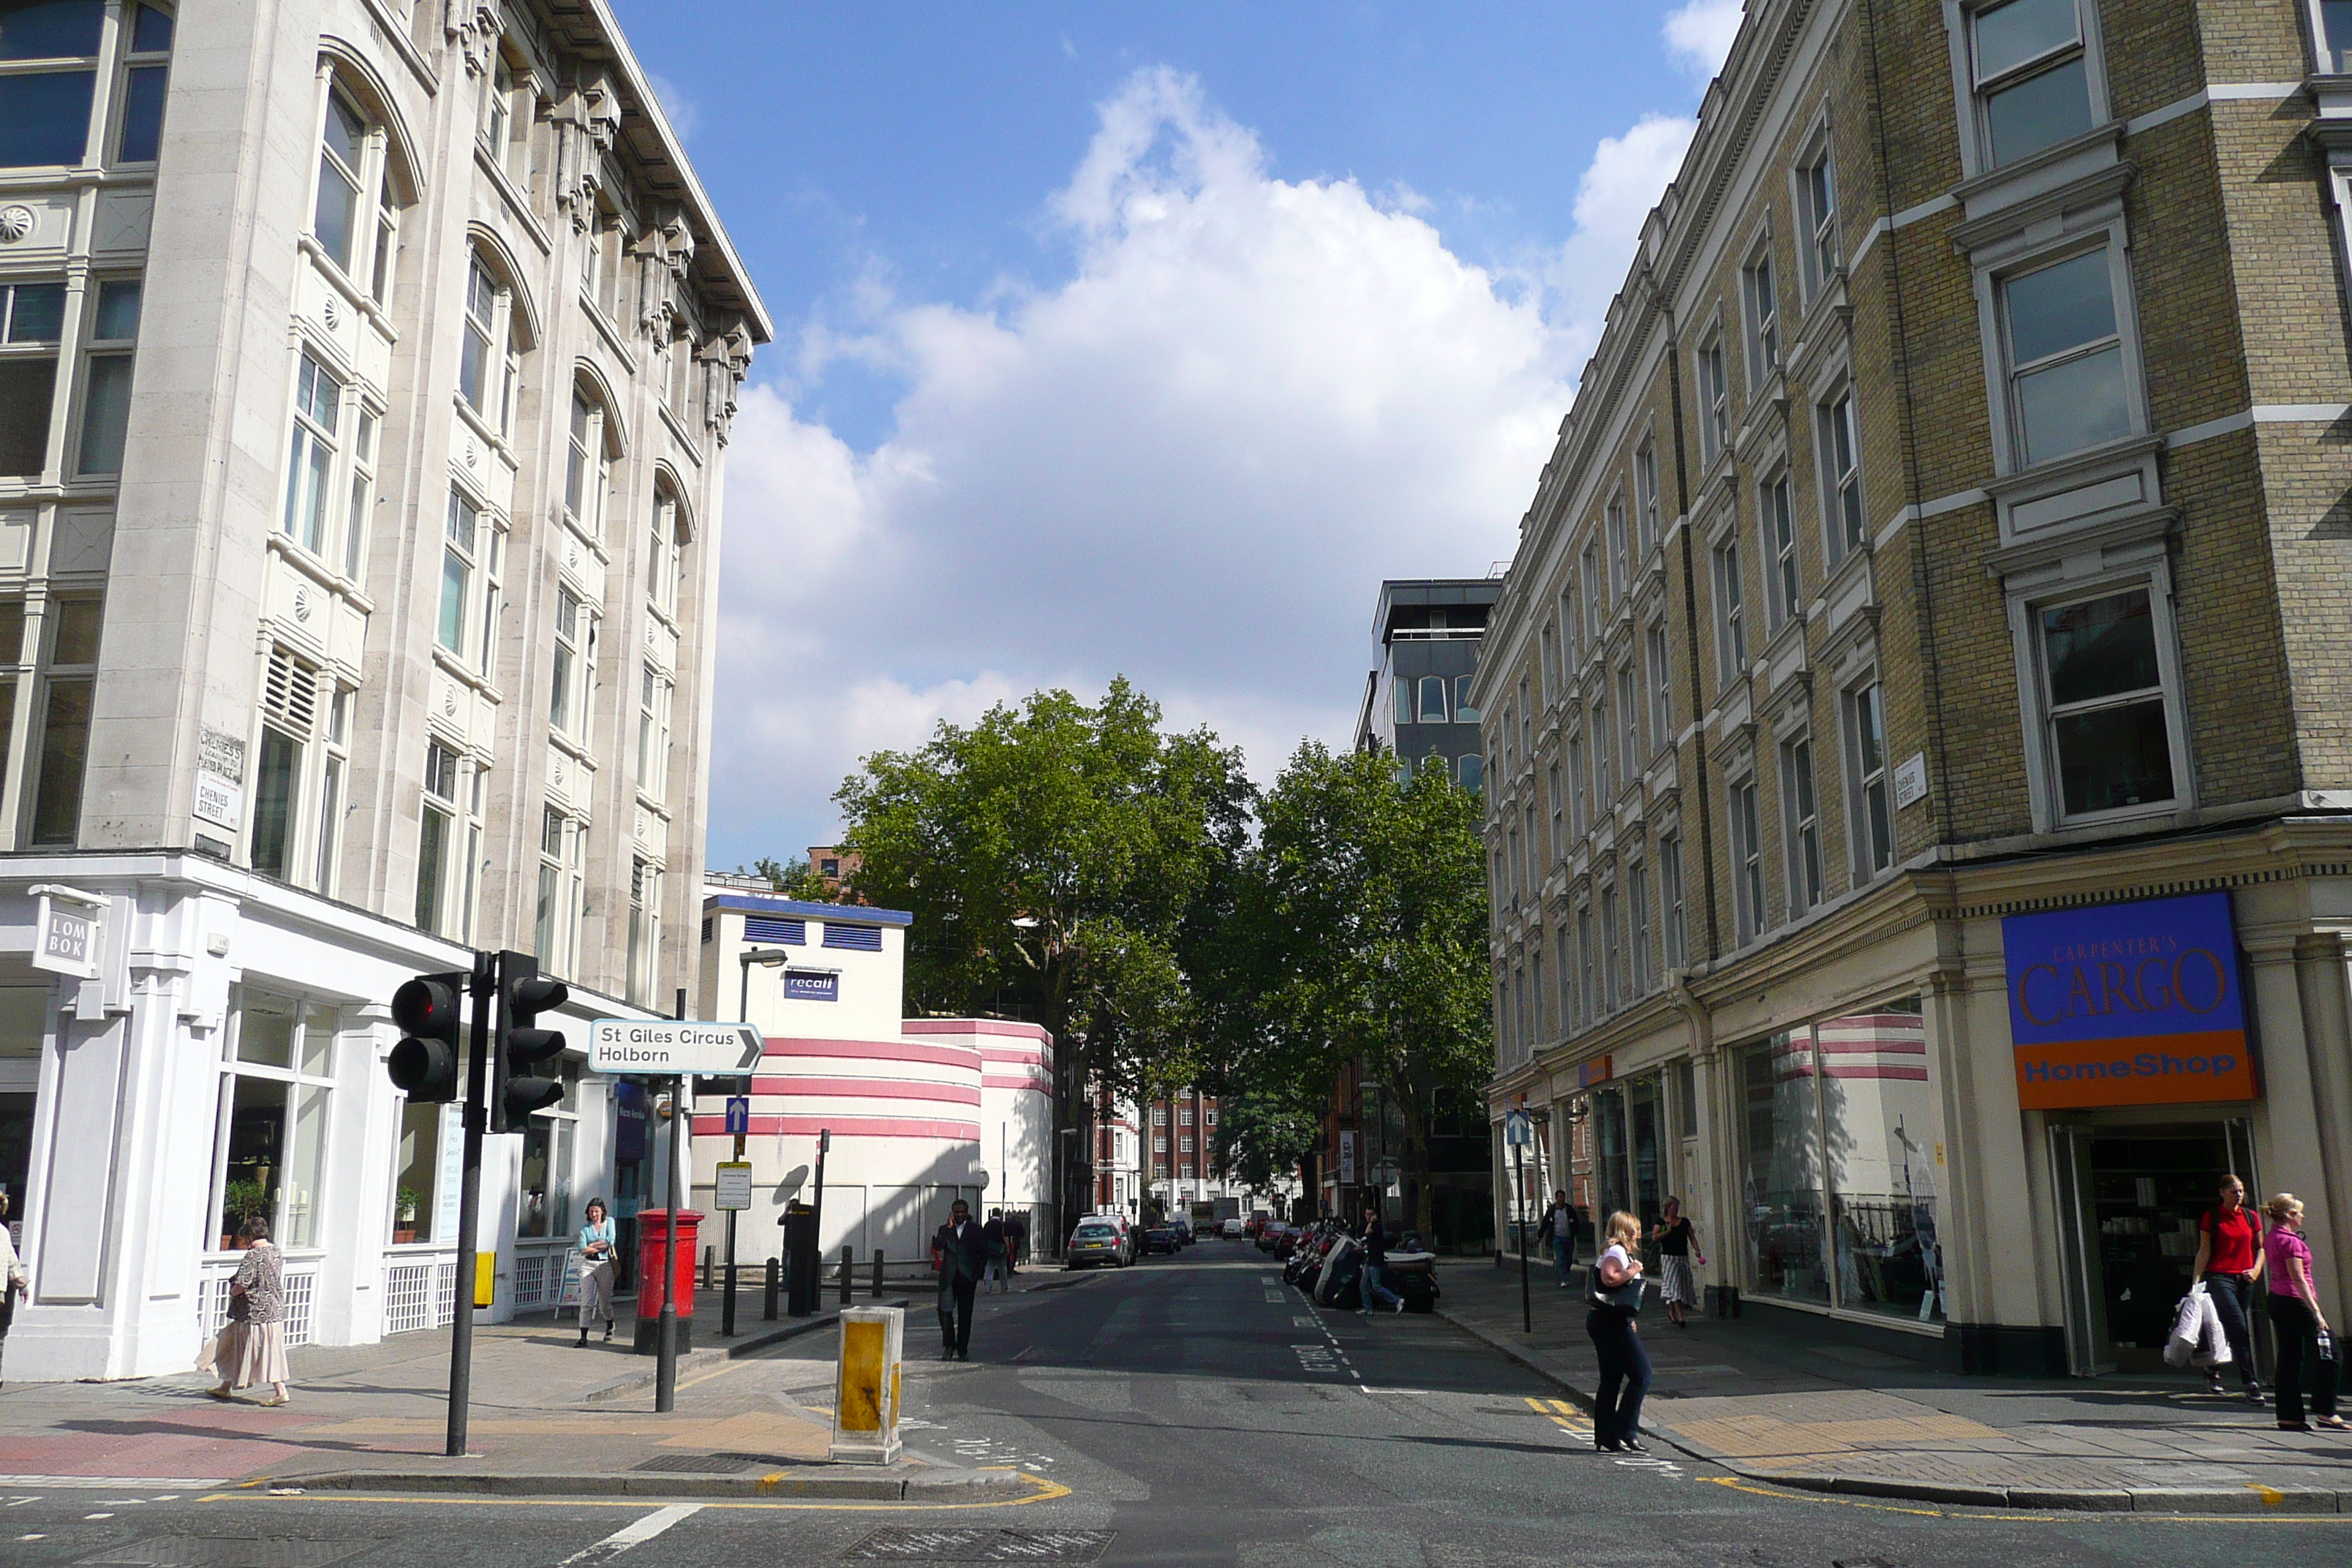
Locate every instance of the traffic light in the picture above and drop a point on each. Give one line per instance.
(518, 1047)
(429, 1062)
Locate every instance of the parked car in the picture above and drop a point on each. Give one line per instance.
(1184, 1230)
(1232, 1230)
(1158, 1239)
(1096, 1241)
(1269, 1234)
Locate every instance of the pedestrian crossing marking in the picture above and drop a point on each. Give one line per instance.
(1562, 1414)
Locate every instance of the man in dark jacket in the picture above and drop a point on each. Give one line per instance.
(1376, 1257)
(960, 1252)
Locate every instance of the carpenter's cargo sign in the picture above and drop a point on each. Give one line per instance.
(2134, 1004)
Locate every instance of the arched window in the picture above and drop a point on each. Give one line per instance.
(355, 217)
(1433, 699)
(490, 361)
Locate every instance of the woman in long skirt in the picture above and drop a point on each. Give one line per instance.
(251, 1347)
(596, 1270)
(13, 1281)
(1676, 1238)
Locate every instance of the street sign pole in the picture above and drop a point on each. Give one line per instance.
(1527, 1301)
(666, 1343)
(473, 1113)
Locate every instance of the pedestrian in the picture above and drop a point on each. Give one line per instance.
(1016, 1237)
(13, 1281)
(2229, 1261)
(2306, 1347)
(959, 1251)
(1559, 1227)
(596, 1270)
(1616, 1298)
(994, 1233)
(251, 1347)
(1369, 1286)
(1677, 1238)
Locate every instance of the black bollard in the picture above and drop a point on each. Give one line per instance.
(848, 1268)
(768, 1305)
(878, 1274)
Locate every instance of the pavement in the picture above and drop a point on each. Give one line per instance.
(1188, 1411)
(1773, 1403)
(753, 1417)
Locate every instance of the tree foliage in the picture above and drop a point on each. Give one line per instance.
(1052, 855)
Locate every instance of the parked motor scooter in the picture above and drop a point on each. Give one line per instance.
(1412, 1272)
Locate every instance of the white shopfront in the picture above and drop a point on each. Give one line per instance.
(226, 1059)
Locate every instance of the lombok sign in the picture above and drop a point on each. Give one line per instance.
(2132, 1003)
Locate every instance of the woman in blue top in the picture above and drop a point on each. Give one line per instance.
(596, 1268)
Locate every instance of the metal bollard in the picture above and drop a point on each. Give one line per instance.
(708, 1254)
(878, 1274)
(768, 1303)
(848, 1269)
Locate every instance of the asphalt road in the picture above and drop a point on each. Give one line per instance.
(1197, 1412)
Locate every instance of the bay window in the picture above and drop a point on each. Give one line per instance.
(2064, 363)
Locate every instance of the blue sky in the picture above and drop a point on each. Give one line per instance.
(1138, 339)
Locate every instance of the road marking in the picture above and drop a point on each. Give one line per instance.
(1047, 1491)
(635, 1534)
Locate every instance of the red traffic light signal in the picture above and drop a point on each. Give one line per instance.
(428, 1062)
(515, 1090)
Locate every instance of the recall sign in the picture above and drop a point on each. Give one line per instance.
(2133, 1004)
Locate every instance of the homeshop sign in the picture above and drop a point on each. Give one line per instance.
(2134, 1004)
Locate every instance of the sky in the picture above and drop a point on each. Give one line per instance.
(1138, 340)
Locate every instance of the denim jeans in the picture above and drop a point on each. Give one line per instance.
(2232, 1295)
(1625, 1375)
(1563, 1249)
(1371, 1289)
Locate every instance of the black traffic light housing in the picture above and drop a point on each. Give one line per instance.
(429, 1062)
(518, 1047)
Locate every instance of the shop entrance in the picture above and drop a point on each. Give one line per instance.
(2130, 1194)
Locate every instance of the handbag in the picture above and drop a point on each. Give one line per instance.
(240, 1307)
(1625, 1298)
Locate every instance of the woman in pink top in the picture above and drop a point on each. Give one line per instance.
(2297, 1320)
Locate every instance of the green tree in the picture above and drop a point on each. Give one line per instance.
(1053, 855)
(1364, 907)
(798, 880)
(1264, 1135)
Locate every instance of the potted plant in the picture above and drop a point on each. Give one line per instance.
(404, 1210)
(239, 1199)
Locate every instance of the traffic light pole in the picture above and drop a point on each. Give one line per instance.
(475, 1112)
(666, 1346)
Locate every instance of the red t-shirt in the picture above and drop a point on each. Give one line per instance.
(2233, 1241)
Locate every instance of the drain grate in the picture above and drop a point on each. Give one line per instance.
(705, 1464)
(227, 1551)
(966, 1545)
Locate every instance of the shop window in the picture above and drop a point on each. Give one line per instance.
(45, 112)
(1878, 1117)
(277, 1087)
(2031, 77)
(544, 1208)
(1782, 1168)
(416, 1175)
(1685, 1078)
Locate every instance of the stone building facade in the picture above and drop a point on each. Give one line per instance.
(365, 402)
(1929, 601)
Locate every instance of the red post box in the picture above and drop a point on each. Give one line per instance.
(653, 1234)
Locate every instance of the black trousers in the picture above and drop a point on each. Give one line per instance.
(956, 1291)
(1625, 1375)
(2234, 1302)
(2297, 1333)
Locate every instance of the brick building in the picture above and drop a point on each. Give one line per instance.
(1916, 728)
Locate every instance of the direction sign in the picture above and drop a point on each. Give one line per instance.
(1518, 1132)
(665, 1047)
(734, 1187)
(739, 1114)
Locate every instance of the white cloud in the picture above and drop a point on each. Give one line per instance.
(1623, 183)
(1192, 463)
(681, 111)
(1698, 36)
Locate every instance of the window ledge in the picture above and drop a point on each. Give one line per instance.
(315, 568)
(472, 418)
(403, 45)
(608, 332)
(449, 664)
(2084, 173)
(353, 295)
(678, 432)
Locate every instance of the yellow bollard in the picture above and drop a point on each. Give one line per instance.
(866, 1390)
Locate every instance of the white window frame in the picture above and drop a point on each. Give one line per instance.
(1776, 503)
(1746, 824)
(1710, 378)
(1604, 784)
(1970, 94)
(1760, 311)
(488, 317)
(1596, 606)
(1646, 494)
(1846, 504)
(1820, 247)
(1730, 603)
(2327, 61)
(1670, 898)
(285, 1224)
(1637, 923)
(1870, 782)
(1621, 560)
(2012, 451)
(1662, 688)
(1800, 824)
(1578, 786)
(2042, 757)
(1629, 721)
